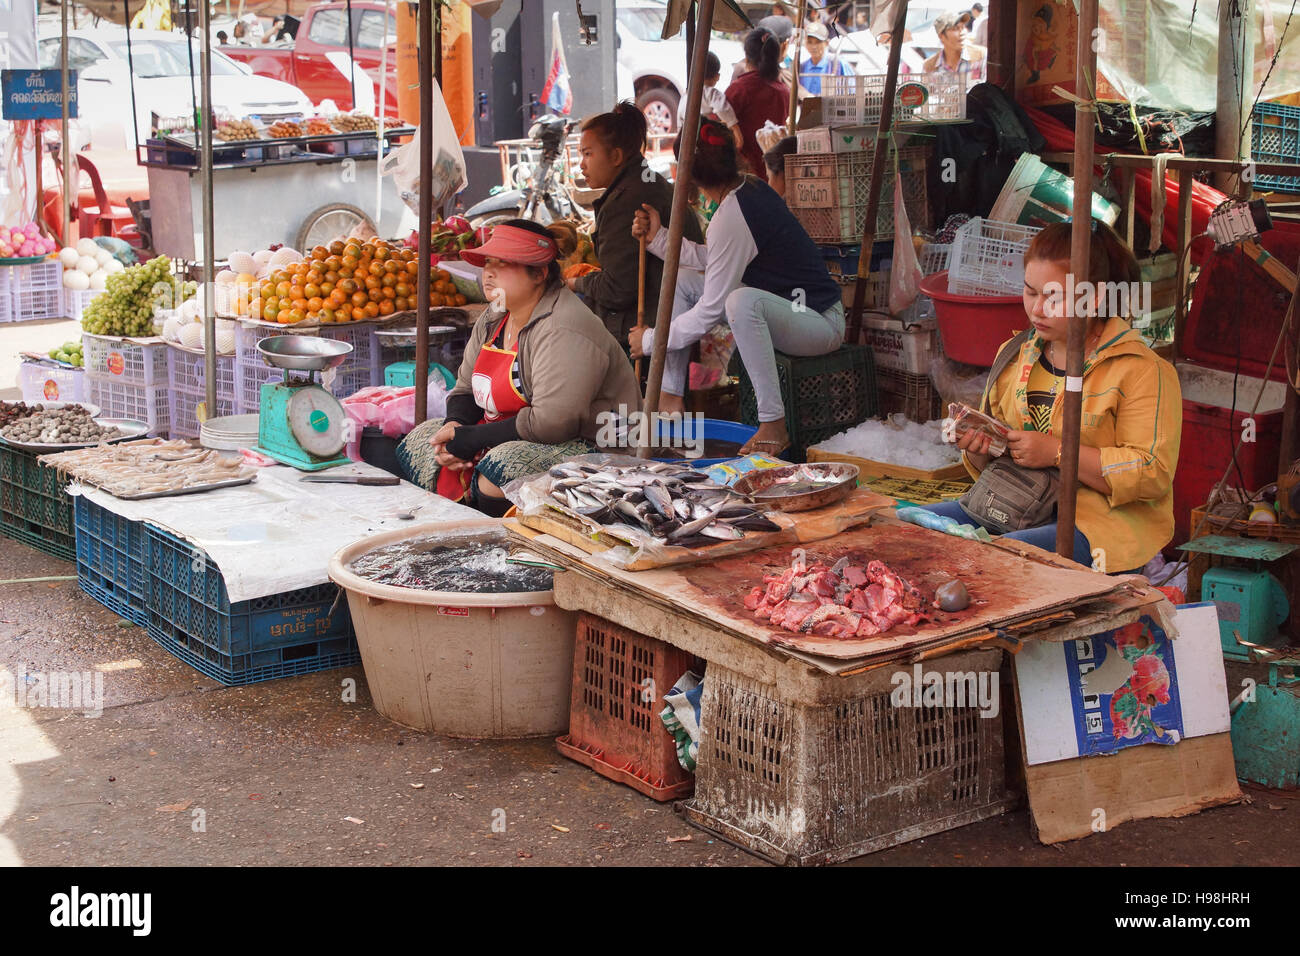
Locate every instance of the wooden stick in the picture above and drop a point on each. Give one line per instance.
(682, 188)
(640, 297)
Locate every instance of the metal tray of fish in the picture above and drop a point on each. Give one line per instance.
(671, 503)
(799, 487)
(172, 493)
(130, 430)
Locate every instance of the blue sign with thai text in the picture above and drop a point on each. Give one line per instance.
(36, 94)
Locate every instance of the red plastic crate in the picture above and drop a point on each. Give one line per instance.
(620, 678)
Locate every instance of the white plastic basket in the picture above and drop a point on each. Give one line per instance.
(184, 420)
(988, 258)
(934, 257)
(859, 100)
(35, 291)
(76, 300)
(123, 361)
(140, 403)
(251, 370)
(186, 372)
(52, 383)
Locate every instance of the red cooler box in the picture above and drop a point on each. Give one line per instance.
(1211, 428)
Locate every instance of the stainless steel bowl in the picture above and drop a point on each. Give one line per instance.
(405, 338)
(303, 353)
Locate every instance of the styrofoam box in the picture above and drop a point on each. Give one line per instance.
(52, 383)
(900, 345)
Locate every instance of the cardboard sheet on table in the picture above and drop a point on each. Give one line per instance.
(1011, 587)
(797, 528)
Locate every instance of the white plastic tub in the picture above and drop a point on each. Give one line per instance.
(465, 665)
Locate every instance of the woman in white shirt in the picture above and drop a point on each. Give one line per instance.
(758, 271)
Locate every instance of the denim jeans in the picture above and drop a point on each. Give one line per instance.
(1043, 536)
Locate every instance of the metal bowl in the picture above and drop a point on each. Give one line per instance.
(303, 353)
(786, 489)
(405, 338)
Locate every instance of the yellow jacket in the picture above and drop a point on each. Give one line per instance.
(1133, 412)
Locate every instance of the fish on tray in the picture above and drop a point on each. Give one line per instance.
(843, 601)
(669, 502)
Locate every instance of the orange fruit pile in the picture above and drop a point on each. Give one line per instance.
(352, 281)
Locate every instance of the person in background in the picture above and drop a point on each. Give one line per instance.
(241, 32)
(714, 105)
(759, 95)
(958, 54)
(221, 37)
(758, 271)
(774, 160)
(1132, 408)
(781, 27)
(818, 64)
(980, 28)
(611, 158)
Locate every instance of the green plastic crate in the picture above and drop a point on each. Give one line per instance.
(918, 491)
(34, 506)
(823, 395)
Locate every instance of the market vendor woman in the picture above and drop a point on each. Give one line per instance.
(540, 375)
(1132, 408)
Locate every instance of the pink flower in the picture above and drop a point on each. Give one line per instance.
(1150, 680)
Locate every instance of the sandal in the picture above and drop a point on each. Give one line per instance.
(753, 447)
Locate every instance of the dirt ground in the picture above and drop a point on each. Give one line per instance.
(181, 771)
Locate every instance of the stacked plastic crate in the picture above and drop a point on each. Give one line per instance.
(905, 345)
(362, 368)
(128, 379)
(187, 390)
(31, 292)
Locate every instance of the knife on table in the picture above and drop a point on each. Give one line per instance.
(353, 479)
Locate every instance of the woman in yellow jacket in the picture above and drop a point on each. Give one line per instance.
(1132, 405)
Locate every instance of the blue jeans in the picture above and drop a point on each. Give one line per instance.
(1044, 536)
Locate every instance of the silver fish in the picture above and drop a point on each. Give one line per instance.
(723, 532)
(695, 527)
(660, 499)
(683, 509)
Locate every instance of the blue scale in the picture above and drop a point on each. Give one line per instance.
(300, 424)
(1250, 601)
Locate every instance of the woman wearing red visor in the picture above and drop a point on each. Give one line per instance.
(540, 377)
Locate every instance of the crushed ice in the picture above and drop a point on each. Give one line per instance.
(466, 564)
(896, 441)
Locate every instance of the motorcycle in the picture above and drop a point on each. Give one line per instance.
(546, 198)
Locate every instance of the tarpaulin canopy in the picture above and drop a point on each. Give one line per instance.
(728, 17)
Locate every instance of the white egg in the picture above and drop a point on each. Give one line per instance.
(69, 256)
(226, 277)
(76, 279)
(103, 257)
(87, 247)
(113, 266)
(242, 262)
(225, 341)
(191, 336)
(88, 264)
(97, 280)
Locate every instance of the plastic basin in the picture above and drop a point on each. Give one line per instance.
(465, 665)
(973, 326)
(674, 434)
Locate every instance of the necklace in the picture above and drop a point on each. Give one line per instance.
(1050, 352)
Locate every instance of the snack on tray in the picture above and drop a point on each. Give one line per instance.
(963, 419)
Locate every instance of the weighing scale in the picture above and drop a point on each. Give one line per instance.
(401, 374)
(300, 423)
(1250, 601)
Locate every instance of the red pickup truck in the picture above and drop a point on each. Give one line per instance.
(324, 30)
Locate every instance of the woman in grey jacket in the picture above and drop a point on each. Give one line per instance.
(612, 159)
(542, 378)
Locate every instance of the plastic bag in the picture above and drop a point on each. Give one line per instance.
(956, 382)
(905, 274)
(403, 163)
(769, 135)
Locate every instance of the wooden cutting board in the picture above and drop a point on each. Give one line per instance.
(1006, 588)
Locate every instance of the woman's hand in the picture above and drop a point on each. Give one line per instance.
(635, 338)
(974, 443)
(646, 223)
(444, 434)
(444, 458)
(1033, 449)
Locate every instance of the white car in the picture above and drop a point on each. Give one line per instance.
(651, 70)
(161, 64)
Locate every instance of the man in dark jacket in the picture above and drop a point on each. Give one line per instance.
(612, 291)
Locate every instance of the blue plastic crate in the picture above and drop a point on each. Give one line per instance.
(110, 559)
(34, 505)
(842, 260)
(190, 614)
(1275, 138)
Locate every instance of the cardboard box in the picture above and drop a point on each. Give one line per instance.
(1046, 39)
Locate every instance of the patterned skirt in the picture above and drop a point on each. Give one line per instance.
(501, 465)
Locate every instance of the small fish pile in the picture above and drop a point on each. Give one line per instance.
(670, 502)
(470, 564)
(843, 601)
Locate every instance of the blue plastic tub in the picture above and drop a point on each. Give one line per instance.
(714, 429)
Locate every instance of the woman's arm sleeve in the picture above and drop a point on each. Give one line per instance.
(567, 372)
(469, 440)
(695, 255)
(1148, 430)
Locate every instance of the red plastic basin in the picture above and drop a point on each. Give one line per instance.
(973, 326)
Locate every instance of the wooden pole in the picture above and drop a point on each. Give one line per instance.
(428, 63)
(794, 65)
(640, 297)
(1085, 126)
(1235, 85)
(682, 188)
(878, 159)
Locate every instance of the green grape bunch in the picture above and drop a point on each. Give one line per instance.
(132, 297)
